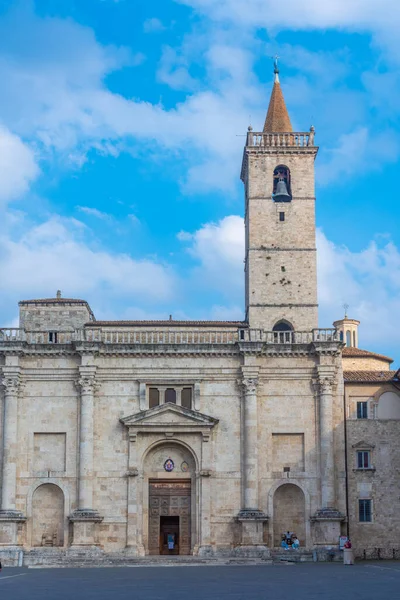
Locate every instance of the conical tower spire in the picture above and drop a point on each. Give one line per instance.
(277, 119)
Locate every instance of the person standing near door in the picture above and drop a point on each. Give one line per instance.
(171, 541)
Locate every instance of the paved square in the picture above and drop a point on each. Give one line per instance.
(366, 581)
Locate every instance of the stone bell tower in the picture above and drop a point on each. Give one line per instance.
(280, 261)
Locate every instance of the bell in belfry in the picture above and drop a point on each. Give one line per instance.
(281, 193)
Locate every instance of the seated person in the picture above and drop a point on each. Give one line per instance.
(295, 542)
(284, 543)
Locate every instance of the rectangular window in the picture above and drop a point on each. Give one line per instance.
(170, 395)
(52, 337)
(363, 460)
(364, 511)
(186, 397)
(362, 410)
(154, 397)
(281, 216)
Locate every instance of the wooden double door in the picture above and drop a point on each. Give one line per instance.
(169, 516)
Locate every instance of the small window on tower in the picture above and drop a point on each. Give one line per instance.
(53, 337)
(281, 216)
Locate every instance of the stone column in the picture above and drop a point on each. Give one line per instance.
(87, 387)
(134, 541)
(327, 446)
(204, 535)
(9, 515)
(250, 516)
(326, 522)
(249, 446)
(86, 517)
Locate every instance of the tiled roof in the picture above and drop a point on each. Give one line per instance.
(168, 323)
(358, 353)
(277, 119)
(370, 376)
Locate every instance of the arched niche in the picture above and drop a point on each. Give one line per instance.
(389, 406)
(289, 510)
(48, 516)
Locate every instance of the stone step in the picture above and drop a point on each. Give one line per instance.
(61, 558)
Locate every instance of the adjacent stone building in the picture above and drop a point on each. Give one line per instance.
(372, 426)
(219, 436)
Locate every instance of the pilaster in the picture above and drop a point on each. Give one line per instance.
(250, 516)
(85, 518)
(10, 517)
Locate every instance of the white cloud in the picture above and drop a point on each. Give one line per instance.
(219, 248)
(173, 70)
(93, 212)
(367, 279)
(381, 17)
(18, 166)
(57, 254)
(153, 25)
(358, 152)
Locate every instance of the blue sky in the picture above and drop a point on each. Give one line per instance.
(121, 135)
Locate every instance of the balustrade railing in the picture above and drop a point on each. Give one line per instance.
(168, 336)
(300, 139)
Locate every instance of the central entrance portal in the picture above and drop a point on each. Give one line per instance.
(169, 516)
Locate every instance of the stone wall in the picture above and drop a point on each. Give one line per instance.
(48, 431)
(381, 484)
(281, 257)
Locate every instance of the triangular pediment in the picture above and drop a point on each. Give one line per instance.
(168, 416)
(363, 446)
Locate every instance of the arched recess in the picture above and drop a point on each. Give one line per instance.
(289, 512)
(169, 497)
(48, 516)
(389, 406)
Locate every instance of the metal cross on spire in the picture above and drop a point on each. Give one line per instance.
(345, 306)
(276, 68)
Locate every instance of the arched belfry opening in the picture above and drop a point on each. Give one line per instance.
(283, 331)
(281, 191)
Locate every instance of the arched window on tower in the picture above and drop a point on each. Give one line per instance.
(282, 191)
(348, 339)
(283, 332)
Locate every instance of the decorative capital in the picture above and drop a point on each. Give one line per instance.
(87, 384)
(250, 514)
(249, 385)
(205, 473)
(325, 385)
(12, 385)
(132, 472)
(85, 515)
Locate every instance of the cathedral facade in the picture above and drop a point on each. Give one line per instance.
(193, 437)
